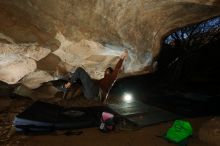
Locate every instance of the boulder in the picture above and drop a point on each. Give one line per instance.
(91, 33)
(14, 67)
(210, 132)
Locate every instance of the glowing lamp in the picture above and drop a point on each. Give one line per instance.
(127, 97)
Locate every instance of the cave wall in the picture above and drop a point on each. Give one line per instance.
(94, 31)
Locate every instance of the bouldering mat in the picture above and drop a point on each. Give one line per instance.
(142, 114)
(41, 116)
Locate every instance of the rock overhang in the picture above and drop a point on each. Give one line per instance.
(93, 33)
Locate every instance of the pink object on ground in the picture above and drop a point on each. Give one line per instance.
(106, 116)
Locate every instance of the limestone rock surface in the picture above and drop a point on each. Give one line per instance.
(210, 132)
(14, 67)
(90, 33)
(34, 79)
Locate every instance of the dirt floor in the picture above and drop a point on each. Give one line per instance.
(84, 137)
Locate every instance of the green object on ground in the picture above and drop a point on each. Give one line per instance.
(179, 131)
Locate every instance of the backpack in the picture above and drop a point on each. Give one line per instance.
(179, 132)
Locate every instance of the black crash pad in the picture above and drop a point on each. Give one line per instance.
(142, 114)
(42, 116)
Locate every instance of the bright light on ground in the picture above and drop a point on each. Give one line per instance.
(127, 97)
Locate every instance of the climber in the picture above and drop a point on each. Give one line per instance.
(96, 89)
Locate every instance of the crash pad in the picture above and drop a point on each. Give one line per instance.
(42, 116)
(143, 114)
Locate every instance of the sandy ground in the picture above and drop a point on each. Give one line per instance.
(147, 136)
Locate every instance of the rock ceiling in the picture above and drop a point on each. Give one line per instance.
(39, 37)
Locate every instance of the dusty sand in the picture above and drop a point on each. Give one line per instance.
(91, 136)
